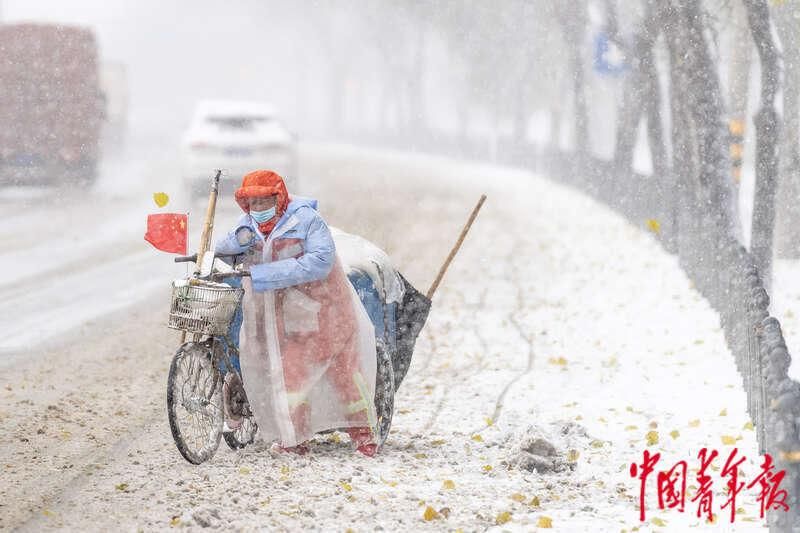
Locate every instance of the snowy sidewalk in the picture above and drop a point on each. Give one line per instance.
(557, 320)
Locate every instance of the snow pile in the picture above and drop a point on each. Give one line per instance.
(535, 452)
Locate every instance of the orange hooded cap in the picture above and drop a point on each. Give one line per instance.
(263, 183)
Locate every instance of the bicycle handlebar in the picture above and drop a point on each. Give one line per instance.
(219, 276)
(193, 258)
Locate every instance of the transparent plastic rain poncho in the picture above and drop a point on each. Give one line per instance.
(308, 353)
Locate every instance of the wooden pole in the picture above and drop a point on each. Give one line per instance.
(208, 229)
(208, 224)
(454, 251)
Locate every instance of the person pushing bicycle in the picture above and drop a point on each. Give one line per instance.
(308, 353)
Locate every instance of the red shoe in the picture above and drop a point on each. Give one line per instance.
(368, 449)
(362, 438)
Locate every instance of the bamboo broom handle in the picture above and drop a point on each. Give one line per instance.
(208, 224)
(208, 229)
(454, 251)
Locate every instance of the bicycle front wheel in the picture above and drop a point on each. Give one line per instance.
(194, 402)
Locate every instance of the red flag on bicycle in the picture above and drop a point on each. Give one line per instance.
(168, 232)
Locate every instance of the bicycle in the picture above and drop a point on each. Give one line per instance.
(206, 368)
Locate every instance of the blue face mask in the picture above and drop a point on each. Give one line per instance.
(263, 216)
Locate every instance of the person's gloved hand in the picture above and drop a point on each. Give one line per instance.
(245, 236)
(237, 241)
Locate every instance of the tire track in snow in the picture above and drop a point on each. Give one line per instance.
(459, 374)
(515, 277)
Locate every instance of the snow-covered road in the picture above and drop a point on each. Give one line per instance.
(558, 320)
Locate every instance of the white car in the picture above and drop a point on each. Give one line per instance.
(237, 137)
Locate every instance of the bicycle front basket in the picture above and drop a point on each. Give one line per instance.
(203, 307)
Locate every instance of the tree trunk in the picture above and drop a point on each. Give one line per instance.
(700, 149)
(738, 83)
(766, 121)
(641, 94)
(572, 17)
(655, 127)
(787, 228)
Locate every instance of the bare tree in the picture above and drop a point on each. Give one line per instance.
(573, 17)
(700, 142)
(766, 121)
(786, 16)
(642, 92)
(738, 83)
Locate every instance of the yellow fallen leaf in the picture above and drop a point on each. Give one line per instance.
(653, 225)
(572, 456)
(389, 482)
(420, 456)
(477, 438)
(438, 442)
(161, 198)
(346, 486)
(121, 487)
(631, 428)
(448, 484)
(430, 514)
(517, 497)
(652, 438)
(596, 443)
(727, 440)
(791, 456)
(560, 361)
(285, 470)
(674, 434)
(176, 520)
(244, 470)
(534, 502)
(502, 518)
(659, 522)
(336, 438)
(487, 468)
(489, 421)
(544, 522)
(694, 423)
(724, 412)
(47, 512)
(748, 426)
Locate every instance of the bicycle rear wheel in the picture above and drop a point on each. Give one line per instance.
(235, 401)
(194, 402)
